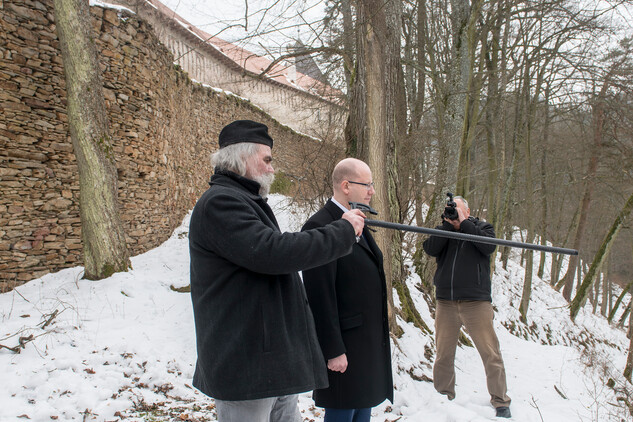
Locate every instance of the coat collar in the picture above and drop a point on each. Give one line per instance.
(247, 187)
(335, 211)
(369, 245)
(233, 180)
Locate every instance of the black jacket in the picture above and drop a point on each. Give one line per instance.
(254, 330)
(348, 298)
(463, 267)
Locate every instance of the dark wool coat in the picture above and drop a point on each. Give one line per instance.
(463, 267)
(348, 298)
(254, 330)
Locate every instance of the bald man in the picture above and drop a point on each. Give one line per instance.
(348, 298)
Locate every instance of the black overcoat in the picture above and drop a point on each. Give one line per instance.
(348, 298)
(254, 330)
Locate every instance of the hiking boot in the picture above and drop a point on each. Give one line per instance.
(503, 412)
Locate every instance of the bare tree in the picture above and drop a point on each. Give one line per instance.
(452, 99)
(598, 113)
(618, 301)
(104, 247)
(628, 368)
(380, 31)
(599, 258)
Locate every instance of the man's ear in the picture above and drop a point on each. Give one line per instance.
(344, 186)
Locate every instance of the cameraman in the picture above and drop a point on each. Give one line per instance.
(462, 285)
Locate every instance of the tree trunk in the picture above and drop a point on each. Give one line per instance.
(471, 101)
(495, 118)
(385, 127)
(454, 102)
(418, 105)
(508, 186)
(527, 286)
(628, 369)
(451, 105)
(543, 178)
(595, 294)
(104, 247)
(418, 109)
(424, 264)
(557, 260)
(624, 316)
(529, 254)
(606, 295)
(356, 126)
(599, 258)
(348, 39)
(618, 301)
(598, 125)
(524, 137)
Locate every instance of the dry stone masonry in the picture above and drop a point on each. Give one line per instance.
(164, 128)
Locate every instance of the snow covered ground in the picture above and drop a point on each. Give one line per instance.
(124, 348)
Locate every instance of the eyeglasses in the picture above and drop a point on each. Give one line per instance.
(367, 185)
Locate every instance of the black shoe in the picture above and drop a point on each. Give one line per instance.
(503, 412)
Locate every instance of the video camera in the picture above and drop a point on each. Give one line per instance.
(450, 211)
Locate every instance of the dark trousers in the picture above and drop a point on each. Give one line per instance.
(347, 415)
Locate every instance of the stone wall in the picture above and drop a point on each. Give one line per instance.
(164, 128)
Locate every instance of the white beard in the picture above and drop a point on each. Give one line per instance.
(265, 181)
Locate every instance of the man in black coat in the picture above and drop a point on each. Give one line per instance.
(463, 291)
(348, 298)
(256, 342)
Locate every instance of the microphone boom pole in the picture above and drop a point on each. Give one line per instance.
(470, 237)
(456, 235)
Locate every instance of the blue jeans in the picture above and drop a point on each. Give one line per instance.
(272, 409)
(347, 415)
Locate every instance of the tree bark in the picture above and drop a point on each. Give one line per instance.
(356, 126)
(452, 103)
(625, 315)
(544, 182)
(628, 369)
(386, 125)
(606, 294)
(473, 93)
(618, 301)
(104, 247)
(495, 118)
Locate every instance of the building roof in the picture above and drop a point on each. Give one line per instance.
(240, 59)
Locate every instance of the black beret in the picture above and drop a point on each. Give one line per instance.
(245, 131)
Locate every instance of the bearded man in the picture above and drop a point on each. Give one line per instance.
(256, 341)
